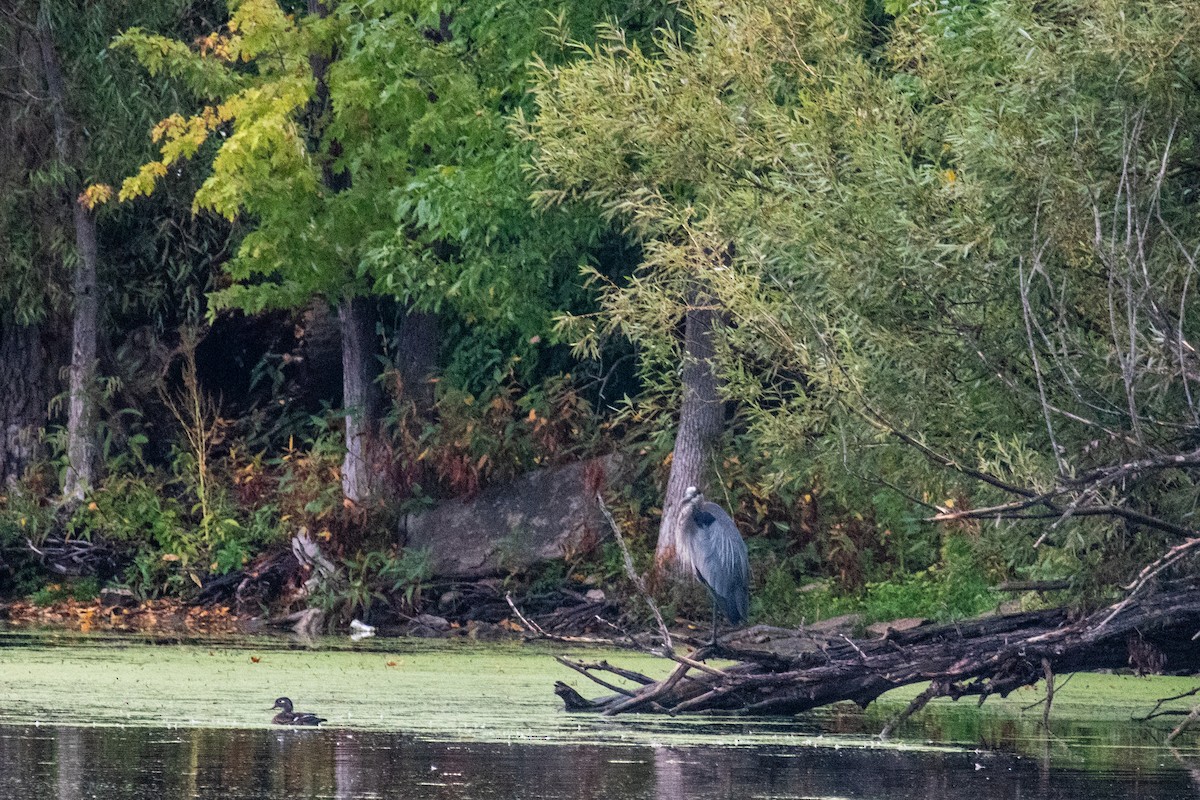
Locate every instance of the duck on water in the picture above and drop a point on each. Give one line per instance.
(289, 717)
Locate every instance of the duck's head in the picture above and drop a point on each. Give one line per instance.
(283, 703)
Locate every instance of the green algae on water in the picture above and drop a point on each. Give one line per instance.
(500, 692)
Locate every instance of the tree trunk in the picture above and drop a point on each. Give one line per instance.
(81, 414)
(359, 393)
(417, 340)
(360, 398)
(701, 419)
(81, 409)
(25, 376)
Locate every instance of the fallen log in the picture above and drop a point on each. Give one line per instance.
(982, 657)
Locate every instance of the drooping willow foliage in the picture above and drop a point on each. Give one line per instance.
(966, 236)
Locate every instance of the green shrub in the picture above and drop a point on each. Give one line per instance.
(83, 590)
(375, 579)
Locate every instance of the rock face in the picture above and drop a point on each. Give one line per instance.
(547, 514)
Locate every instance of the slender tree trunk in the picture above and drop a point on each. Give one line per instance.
(360, 398)
(701, 419)
(81, 413)
(25, 376)
(81, 409)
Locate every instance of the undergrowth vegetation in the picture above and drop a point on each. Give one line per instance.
(811, 559)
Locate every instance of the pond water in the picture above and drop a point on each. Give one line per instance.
(88, 717)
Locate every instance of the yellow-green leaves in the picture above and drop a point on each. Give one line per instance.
(262, 148)
(143, 183)
(95, 195)
(205, 71)
(399, 176)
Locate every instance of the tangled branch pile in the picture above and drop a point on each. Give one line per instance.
(977, 658)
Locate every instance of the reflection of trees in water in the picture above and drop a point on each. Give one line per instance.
(1191, 766)
(668, 774)
(68, 763)
(694, 772)
(347, 771)
(302, 763)
(147, 764)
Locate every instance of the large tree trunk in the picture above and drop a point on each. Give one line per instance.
(360, 398)
(81, 443)
(25, 376)
(701, 419)
(417, 342)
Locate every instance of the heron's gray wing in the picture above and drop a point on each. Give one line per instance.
(721, 561)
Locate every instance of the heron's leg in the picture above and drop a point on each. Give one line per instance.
(714, 632)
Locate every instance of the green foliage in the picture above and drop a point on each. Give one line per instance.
(147, 517)
(140, 517)
(781, 598)
(945, 239)
(82, 590)
(306, 479)
(923, 231)
(954, 588)
(110, 105)
(547, 577)
(388, 169)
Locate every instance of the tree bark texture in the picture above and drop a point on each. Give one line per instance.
(701, 419)
(360, 398)
(26, 377)
(975, 658)
(81, 405)
(417, 342)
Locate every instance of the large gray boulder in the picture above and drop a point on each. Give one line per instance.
(546, 514)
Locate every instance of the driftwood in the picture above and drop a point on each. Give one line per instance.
(977, 658)
(66, 556)
(250, 590)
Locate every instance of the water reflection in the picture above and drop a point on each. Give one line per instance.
(71, 763)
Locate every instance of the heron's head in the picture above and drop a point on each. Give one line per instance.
(692, 498)
(283, 703)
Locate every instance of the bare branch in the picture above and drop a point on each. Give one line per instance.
(668, 646)
(1027, 316)
(1183, 726)
(1164, 700)
(1048, 670)
(936, 689)
(1148, 573)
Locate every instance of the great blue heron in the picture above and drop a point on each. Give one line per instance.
(715, 550)
(289, 717)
